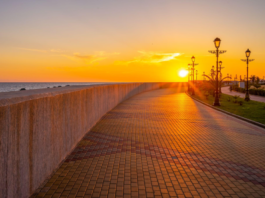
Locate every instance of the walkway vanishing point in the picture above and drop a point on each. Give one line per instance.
(163, 144)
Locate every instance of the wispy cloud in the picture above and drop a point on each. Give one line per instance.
(87, 58)
(150, 58)
(34, 50)
(56, 51)
(90, 58)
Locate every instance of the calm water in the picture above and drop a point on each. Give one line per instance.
(6, 87)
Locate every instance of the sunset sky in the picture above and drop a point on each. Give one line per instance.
(126, 40)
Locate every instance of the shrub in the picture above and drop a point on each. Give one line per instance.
(259, 92)
(239, 89)
(254, 90)
(235, 98)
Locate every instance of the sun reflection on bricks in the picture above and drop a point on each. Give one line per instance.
(163, 144)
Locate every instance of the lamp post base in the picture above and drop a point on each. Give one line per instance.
(216, 104)
(216, 99)
(247, 97)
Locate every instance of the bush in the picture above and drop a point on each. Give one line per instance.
(259, 92)
(235, 97)
(239, 89)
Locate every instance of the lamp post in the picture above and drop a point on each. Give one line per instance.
(188, 77)
(212, 71)
(248, 52)
(193, 64)
(217, 43)
(220, 66)
(196, 77)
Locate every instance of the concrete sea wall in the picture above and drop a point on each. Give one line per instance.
(38, 128)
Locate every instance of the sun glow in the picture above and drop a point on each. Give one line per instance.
(183, 73)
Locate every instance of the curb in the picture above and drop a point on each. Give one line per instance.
(228, 113)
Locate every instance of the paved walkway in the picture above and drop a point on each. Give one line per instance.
(164, 144)
(226, 90)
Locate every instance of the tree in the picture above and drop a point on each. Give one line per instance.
(252, 78)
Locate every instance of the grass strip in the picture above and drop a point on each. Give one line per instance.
(252, 110)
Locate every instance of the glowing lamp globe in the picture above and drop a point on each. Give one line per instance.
(217, 42)
(248, 53)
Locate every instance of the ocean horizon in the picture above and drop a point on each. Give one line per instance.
(17, 86)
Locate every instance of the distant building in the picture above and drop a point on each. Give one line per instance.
(241, 84)
(231, 82)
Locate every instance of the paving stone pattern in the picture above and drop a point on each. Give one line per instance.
(163, 144)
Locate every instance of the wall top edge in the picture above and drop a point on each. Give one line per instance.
(14, 97)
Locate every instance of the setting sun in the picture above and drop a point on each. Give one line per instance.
(183, 73)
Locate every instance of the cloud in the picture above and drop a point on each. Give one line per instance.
(91, 58)
(87, 59)
(151, 58)
(34, 50)
(56, 51)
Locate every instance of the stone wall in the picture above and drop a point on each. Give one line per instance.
(38, 128)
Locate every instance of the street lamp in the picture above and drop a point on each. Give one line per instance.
(248, 52)
(220, 66)
(212, 71)
(196, 77)
(188, 77)
(217, 43)
(193, 64)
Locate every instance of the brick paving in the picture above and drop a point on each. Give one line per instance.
(163, 144)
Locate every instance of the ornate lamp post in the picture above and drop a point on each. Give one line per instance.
(217, 43)
(212, 71)
(247, 60)
(220, 66)
(196, 77)
(188, 77)
(193, 64)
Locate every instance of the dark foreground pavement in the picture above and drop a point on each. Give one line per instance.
(163, 144)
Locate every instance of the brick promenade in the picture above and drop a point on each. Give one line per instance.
(164, 144)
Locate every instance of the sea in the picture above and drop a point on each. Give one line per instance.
(16, 86)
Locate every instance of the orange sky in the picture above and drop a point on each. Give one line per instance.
(126, 41)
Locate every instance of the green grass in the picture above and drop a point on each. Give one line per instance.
(251, 110)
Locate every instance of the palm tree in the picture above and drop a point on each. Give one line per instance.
(252, 78)
(212, 80)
